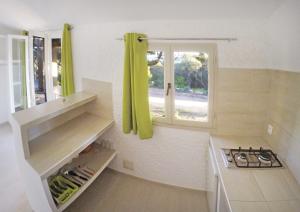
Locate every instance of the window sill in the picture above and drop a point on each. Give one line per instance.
(182, 126)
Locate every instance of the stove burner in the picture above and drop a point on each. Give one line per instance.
(242, 157)
(264, 157)
(250, 158)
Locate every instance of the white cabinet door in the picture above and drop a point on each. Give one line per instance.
(212, 183)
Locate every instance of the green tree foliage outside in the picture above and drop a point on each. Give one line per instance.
(191, 71)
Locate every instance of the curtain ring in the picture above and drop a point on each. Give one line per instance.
(140, 39)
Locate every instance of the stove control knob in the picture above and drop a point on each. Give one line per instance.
(227, 152)
(229, 159)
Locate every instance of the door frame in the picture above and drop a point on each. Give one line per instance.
(48, 36)
(45, 68)
(51, 35)
(10, 70)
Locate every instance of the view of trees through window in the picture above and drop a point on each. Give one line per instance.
(190, 83)
(39, 72)
(156, 62)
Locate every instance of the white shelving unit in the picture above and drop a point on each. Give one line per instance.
(98, 159)
(52, 135)
(52, 150)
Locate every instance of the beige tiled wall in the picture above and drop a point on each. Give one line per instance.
(241, 101)
(284, 116)
(247, 100)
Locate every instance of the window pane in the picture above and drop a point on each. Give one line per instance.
(39, 72)
(191, 86)
(156, 83)
(56, 66)
(18, 56)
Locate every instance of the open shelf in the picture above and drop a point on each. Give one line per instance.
(97, 159)
(43, 112)
(52, 150)
(52, 135)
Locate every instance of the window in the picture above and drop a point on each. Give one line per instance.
(45, 66)
(181, 80)
(39, 70)
(56, 66)
(156, 82)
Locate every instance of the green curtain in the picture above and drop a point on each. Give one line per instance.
(23, 67)
(67, 81)
(136, 115)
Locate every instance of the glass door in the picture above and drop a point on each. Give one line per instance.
(45, 66)
(18, 72)
(39, 69)
(54, 59)
(56, 66)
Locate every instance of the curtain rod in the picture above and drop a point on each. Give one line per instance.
(59, 29)
(185, 39)
(53, 29)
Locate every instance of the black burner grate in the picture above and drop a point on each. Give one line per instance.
(255, 158)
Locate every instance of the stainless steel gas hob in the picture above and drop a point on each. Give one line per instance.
(250, 158)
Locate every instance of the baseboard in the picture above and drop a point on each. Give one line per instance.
(157, 182)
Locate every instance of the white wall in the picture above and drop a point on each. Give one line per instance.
(173, 156)
(3, 81)
(179, 156)
(283, 37)
(4, 86)
(98, 55)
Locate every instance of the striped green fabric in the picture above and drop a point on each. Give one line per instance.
(23, 74)
(67, 79)
(136, 115)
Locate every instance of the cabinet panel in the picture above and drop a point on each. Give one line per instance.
(222, 200)
(212, 183)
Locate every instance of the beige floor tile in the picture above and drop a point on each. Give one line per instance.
(241, 186)
(284, 206)
(116, 192)
(273, 185)
(292, 182)
(12, 193)
(237, 206)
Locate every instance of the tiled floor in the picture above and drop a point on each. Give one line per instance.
(12, 195)
(111, 192)
(116, 192)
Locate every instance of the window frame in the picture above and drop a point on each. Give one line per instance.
(48, 36)
(52, 35)
(168, 50)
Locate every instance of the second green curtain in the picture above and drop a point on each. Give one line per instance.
(136, 115)
(23, 71)
(67, 80)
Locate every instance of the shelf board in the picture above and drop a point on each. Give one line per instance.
(97, 159)
(43, 112)
(52, 150)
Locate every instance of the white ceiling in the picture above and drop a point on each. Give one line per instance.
(42, 14)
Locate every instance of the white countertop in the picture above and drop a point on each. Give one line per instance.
(258, 190)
